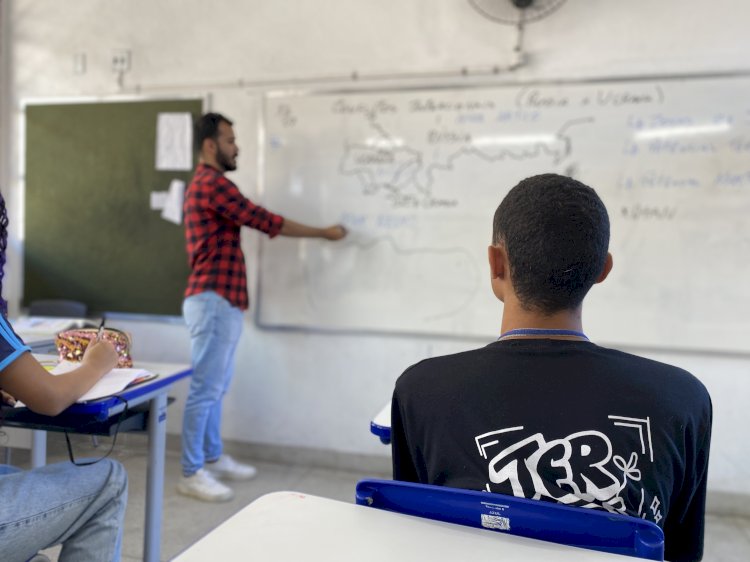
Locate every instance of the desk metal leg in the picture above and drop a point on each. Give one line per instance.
(38, 448)
(157, 440)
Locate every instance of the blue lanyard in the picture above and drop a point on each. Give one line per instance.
(541, 332)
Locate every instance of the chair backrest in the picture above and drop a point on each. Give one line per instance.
(574, 526)
(58, 307)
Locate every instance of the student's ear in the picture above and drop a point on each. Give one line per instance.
(496, 255)
(607, 268)
(499, 269)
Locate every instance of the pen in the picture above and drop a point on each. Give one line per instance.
(100, 333)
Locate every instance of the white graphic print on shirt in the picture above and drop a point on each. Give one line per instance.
(579, 469)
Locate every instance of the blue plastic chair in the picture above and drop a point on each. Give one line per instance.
(62, 308)
(573, 526)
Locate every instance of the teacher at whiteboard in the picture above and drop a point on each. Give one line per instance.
(215, 299)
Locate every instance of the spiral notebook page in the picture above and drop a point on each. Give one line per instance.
(113, 382)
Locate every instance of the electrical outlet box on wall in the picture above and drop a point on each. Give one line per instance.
(121, 60)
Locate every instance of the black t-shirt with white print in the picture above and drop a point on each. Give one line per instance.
(564, 421)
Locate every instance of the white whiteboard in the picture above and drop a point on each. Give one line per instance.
(417, 176)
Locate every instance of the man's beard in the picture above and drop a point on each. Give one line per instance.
(225, 161)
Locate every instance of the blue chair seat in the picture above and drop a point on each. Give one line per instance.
(61, 308)
(573, 526)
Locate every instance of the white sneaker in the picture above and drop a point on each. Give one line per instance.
(228, 468)
(203, 486)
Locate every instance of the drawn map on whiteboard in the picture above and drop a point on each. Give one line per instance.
(417, 175)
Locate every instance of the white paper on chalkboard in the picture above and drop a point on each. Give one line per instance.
(172, 210)
(174, 140)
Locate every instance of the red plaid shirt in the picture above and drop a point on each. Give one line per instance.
(214, 212)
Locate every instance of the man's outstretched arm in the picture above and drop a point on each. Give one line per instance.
(298, 230)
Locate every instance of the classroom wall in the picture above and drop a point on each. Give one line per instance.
(318, 391)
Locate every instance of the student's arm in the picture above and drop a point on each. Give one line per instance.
(685, 524)
(47, 394)
(403, 463)
(298, 230)
(684, 539)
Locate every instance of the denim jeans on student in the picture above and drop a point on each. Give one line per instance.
(215, 327)
(81, 507)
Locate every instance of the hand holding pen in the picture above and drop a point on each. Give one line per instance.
(101, 352)
(100, 333)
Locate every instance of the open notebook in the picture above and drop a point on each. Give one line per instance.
(111, 383)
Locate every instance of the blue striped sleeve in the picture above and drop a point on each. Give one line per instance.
(11, 346)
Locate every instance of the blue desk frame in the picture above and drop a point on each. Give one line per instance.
(381, 424)
(382, 432)
(153, 392)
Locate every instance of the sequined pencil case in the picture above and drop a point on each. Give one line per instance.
(71, 344)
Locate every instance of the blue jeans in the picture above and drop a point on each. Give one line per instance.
(81, 507)
(215, 327)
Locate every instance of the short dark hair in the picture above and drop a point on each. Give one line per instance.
(556, 233)
(207, 127)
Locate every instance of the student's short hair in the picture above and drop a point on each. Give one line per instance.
(207, 127)
(556, 233)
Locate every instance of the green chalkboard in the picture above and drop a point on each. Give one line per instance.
(90, 233)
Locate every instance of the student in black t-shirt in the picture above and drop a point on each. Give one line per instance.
(544, 413)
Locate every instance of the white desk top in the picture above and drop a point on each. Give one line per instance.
(284, 526)
(383, 418)
(39, 332)
(168, 374)
(39, 327)
(163, 369)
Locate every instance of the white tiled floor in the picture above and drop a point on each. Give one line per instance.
(186, 520)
